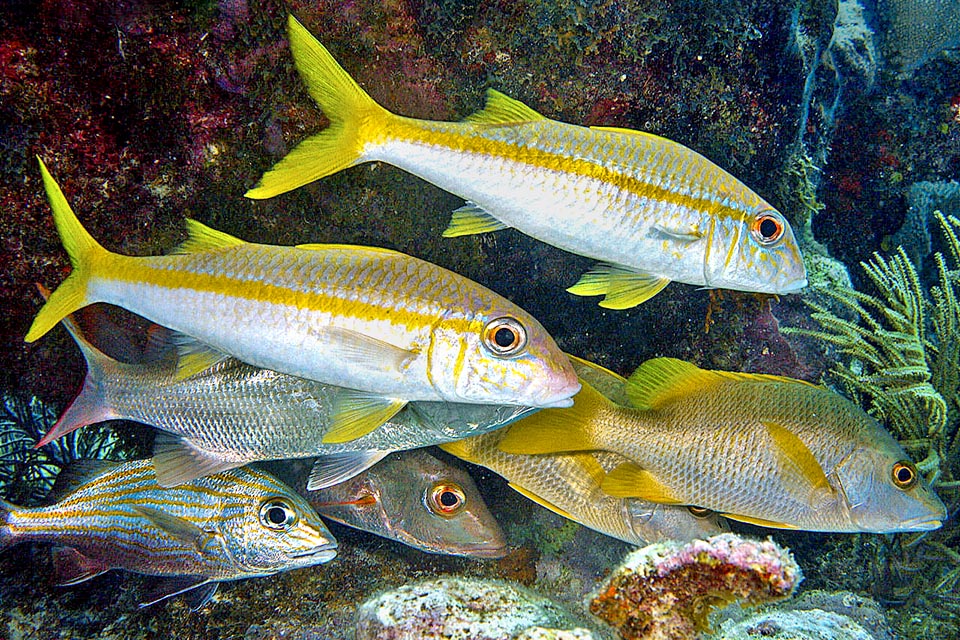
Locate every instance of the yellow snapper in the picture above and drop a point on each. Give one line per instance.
(112, 515)
(569, 484)
(762, 449)
(650, 209)
(392, 327)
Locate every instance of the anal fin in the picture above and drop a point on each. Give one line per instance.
(176, 460)
(71, 567)
(621, 288)
(546, 504)
(197, 590)
(629, 480)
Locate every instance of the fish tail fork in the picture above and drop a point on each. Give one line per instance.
(354, 118)
(84, 252)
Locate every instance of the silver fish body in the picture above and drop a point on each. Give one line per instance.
(414, 498)
(232, 413)
(239, 524)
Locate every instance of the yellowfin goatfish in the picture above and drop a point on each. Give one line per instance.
(389, 326)
(414, 498)
(763, 449)
(108, 515)
(650, 209)
(569, 484)
(232, 414)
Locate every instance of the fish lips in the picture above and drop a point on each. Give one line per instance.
(319, 554)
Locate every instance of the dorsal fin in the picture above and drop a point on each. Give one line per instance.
(502, 109)
(202, 238)
(75, 475)
(661, 380)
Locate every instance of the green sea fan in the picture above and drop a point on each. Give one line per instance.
(27, 474)
(902, 349)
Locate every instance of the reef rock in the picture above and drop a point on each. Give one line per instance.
(666, 591)
(451, 608)
(812, 624)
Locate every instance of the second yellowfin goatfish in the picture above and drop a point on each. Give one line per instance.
(389, 326)
(763, 449)
(109, 515)
(650, 209)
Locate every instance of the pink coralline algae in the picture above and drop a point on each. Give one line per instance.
(666, 591)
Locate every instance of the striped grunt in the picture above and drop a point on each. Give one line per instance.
(569, 484)
(388, 326)
(762, 449)
(232, 414)
(649, 209)
(109, 515)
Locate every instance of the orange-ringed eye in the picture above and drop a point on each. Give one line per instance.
(768, 227)
(904, 474)
(699, 512)
(504, 337)
(445, 499)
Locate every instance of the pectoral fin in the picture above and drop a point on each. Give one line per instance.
(471, 219)
(177, 460)
(684, 236)
(622, 288)
(760, 522)
(335, 468)
(356, 413)
(176, 526)
(364, 351)
(631, 481)
(795, 454)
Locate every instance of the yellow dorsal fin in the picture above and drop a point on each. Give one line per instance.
(202, 238)
(540, 501)
(502, 109)
(621, 288)
(629, 480)
(760, 522)
(318, 246)
(660, 381)
(798, 455)
(557, 430)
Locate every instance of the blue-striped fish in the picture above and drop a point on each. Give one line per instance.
(414, 498)
(650, 209)
(108, 515)
(232, 414)
(391, 327)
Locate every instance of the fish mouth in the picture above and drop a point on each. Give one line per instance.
(320, 554)
(795, 286)
(485, 550)
(921, 523)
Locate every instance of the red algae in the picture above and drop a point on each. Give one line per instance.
(667, 591)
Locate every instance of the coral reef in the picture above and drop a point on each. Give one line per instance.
(666, 591)
(812, 624)
(456, 608)
(540, 633)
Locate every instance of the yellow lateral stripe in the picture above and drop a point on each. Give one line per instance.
(467, 141)
(254, 291)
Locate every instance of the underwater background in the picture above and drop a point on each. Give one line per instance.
(844, 115)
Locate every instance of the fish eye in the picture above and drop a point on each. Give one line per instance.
(768, 227)
(504, 337)
(277, 513)
(699, 512)
(445, 499)
(904, 474)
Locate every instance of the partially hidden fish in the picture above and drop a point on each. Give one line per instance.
(388, 326)
(414, 498)
(569, 484)
(108, 515)
(232, 413)
(649, 209)
(762, 449)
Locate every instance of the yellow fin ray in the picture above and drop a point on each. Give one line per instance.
(760, 522)
(558, 430)
(622, 288)
(659, 381)
(85, 253)
(629, 480)
(798, 455)
(202, 238)
(470, 219)
(348, 107)
(357, 413)
(502, 109)
(546, 504)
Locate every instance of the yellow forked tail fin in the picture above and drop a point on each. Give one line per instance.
(84, 252)
(343, 101)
